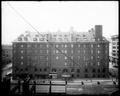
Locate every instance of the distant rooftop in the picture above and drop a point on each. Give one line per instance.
(58, 36)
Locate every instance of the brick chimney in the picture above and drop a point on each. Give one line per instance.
(98, 32)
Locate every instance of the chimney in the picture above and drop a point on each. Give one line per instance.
(98, 32)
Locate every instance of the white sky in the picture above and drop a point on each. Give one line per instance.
(60, 15)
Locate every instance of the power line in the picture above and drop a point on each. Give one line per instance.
(39, 33)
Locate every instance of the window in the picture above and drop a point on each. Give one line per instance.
(35, 45)
(21, 63)
(93, 75)
(91, 51)
(98, 76)
(103, 75)
(22, 51)
(22, 46)
(65, 57)
(47, 51)
(72, 70)
(93, 70)
(86, 64)
(53, 70)
(56, 57)
(14, 45)
(65, 51)
(71, 57)
(56, 45)
(78, 70)
(86, 70)
(45, 69)
(25, 38)
(98, 70)
(86, 75)
(98, 45)
(47, 46)
(56, 51)
(98, 51)
(106, 51)
(92, 57)
(72, 51)
(71, 45)
(98, 63)
(77, 75)
(40, 69)
(28, 45)
(91, 45)
(41, 39)
(98, 57)
(21, 69)
(84, 51)
(84, 46)
(26, 69)
(65, 70)
(19, 39)
(21, 57)
(72, 75)
(34, 39)
(65, 45)
(84, 57)
(35, 69)
(103, 70)
(65, 64)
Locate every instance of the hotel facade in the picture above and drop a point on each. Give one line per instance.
(115, 49)
(62, 54)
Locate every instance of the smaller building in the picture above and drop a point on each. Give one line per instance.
(6, 54)
(115, 49)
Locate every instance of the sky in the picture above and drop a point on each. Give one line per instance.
(51, 16)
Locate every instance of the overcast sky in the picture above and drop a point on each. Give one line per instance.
(60, 15)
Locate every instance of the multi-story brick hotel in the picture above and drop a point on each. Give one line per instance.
(70, 54)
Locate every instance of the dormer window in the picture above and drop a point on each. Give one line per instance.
(41, 39)
(20, 39)
(34, 39)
